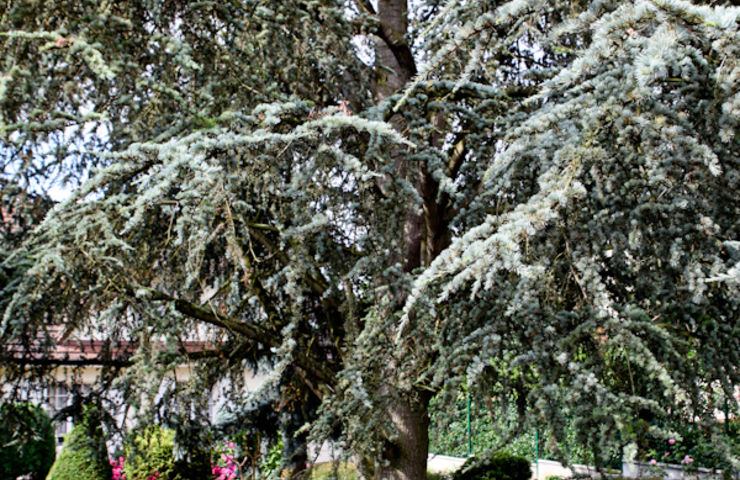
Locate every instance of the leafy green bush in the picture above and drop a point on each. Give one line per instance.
(495, 465)
(26, 441)
(489, 426)
(150, 455)
(273, 460)
(695, 445)
(448, 434)
(84, 455)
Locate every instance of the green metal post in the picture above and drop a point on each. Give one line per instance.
(727, 416)
(727, 428)
(537, 451)
(470, 439)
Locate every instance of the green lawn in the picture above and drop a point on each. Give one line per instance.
(348, 471)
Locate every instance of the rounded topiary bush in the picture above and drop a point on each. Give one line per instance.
(149, 454)
(26, 441)
(84, 455)
(494, 466)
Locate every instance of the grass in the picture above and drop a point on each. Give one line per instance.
(328, 471)
(348, 471)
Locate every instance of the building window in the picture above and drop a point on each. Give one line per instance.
(58, 398)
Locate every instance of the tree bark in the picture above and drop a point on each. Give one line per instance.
(406, 456)
(395, 64)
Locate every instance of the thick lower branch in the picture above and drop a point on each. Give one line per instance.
(65, 362)
(119, 361)
(251, 331)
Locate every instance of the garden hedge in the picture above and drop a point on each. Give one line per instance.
(84, 455)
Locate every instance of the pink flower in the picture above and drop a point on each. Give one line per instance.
(653, 462)
(224, 466)
(671, 441)
(665, 454)
(687, 460)
(117, 470)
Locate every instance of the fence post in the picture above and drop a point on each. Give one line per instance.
(537, 451)
(727, 416)
(470, 439)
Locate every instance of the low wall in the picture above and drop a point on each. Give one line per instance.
(669, 471)
(444, 463)
(549, 468)
(542, 469)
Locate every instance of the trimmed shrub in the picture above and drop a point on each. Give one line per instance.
(494, 465)
(149, 456)
(84, 455)
(26, 441)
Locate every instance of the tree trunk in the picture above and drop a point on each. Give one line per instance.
(406, 456)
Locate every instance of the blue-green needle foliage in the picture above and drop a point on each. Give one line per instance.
(535, 201)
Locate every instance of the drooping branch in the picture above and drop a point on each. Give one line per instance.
(317, 285)
(251, 331)
(330, 306)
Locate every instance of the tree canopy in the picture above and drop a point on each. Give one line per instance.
(380, 202)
